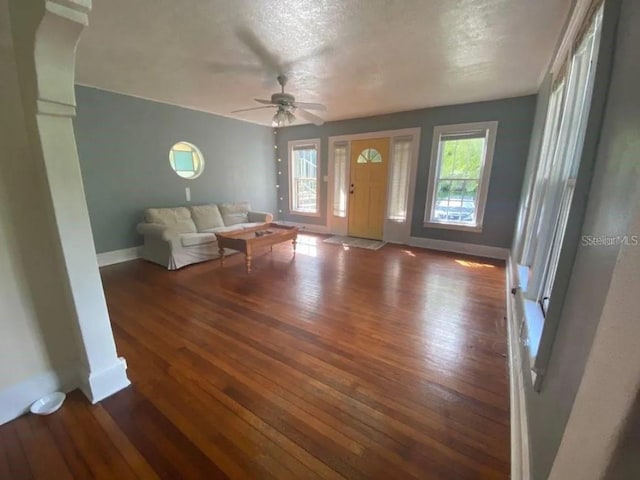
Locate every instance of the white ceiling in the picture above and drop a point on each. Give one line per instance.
(359, 57)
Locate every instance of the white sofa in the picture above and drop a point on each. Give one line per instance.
(175, 237)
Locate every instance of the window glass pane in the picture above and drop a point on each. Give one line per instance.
(186, 160)
(547, 150)
(369, 155)
(400, 169)
(461, 160)
(340, 181)
(304, 179)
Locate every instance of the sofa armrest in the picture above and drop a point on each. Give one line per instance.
(161, 232)
(265, 217)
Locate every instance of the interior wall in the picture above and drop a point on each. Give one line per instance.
(515, 117)
(614, 181)
(124, 142)
(626, 462)
(38, 335)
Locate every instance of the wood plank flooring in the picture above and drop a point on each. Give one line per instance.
(340, 363)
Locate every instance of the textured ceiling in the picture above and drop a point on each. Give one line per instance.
(359, 57)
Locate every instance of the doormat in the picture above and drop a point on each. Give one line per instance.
(356, 242)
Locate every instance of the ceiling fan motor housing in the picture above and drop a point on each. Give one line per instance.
(282, 99)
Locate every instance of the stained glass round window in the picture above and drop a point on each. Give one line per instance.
(186, 160)
(369, 155)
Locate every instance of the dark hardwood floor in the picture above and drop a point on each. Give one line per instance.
(386, 364)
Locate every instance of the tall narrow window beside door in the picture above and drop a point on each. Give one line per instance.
(304, 171)
(399, 182)
(461, 160)
(340, 159)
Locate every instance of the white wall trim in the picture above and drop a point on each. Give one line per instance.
(576, 19)
(16, 400)
(99, 385)
(118, 256)
(402, 132)
(520, 462)
(460, 247)
(305, 227)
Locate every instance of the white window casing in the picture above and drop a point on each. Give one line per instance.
(462, 214)
(304, 177)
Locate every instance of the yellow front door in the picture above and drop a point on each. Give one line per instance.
(368, 187)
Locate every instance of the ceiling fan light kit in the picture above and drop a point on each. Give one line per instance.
(280, 118)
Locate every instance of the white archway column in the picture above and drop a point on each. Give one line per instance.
(45, 34)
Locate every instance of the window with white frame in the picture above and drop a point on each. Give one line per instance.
(558, 164)
(399, 182)
(304, 171)
(461, 160)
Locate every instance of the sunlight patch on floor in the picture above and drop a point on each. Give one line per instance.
(468, 264)
(307, 245)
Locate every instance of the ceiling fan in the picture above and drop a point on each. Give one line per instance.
(286, 106)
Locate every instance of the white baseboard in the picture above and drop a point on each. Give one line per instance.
(117, 256)
(520, 461)
(16, 400)
(305, 227)
(459, 247)
(99, 385)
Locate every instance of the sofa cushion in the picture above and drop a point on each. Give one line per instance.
(193, 239)
(230, 228)
(178, 218)
(234, 213)
(206, 217)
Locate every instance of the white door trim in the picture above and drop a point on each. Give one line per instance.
(396, 232)
(520, 456)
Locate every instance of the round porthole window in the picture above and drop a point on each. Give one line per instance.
(186, 160)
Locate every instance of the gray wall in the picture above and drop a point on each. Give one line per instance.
(611, 182)
(123, 144)
(625, 463)
(515, 117)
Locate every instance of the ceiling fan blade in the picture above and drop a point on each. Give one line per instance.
(309, 116)
(266, 102)
(311, 106)
(270, 61)
(317, 53)
(253, 108)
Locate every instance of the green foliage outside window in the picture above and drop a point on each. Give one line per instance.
(460, 166)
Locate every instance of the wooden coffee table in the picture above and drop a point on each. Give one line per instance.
(248, 240)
